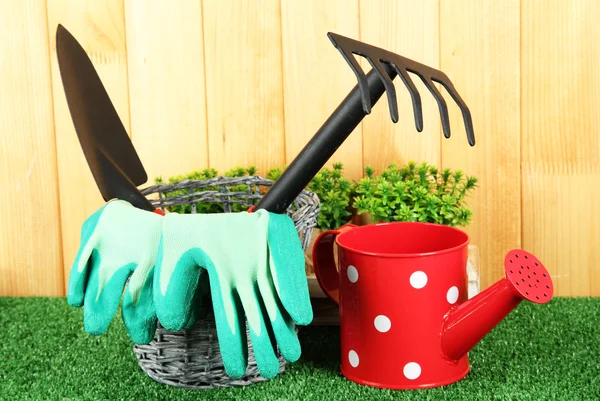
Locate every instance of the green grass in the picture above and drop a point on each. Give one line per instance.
(540, 352)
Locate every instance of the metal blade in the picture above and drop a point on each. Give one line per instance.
(116, 184)
(96, 121)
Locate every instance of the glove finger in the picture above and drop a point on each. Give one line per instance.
(287, 266)
(175, 308)
(281, 323)
(262, 340)
(80, 271)
(175, 284)
(174, 294)
(201, 302)
(231, 330)
(139, 314)
(103, 295)
(79, 277)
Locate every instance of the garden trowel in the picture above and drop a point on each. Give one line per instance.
(114, 163)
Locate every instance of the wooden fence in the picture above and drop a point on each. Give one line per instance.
(222, 83)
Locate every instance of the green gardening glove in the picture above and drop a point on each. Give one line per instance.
(118, 243)
(255, 266)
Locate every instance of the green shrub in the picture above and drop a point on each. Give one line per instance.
(334, 192)
(415, 192)
(275, 173)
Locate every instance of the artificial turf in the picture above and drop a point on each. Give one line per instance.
(539, 352)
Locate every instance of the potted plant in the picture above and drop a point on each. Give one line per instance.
(418, 192)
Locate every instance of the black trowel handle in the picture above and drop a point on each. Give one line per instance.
(322, 146)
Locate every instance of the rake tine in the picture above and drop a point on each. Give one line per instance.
(441, 104)
(414, 95)
(466, 113)
(360, 76)
(389, 88)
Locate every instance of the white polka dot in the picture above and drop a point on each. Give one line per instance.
(353, 358)
(383, 323)
(418, 279)
(452, 295)
(412, 370)
(352, 274)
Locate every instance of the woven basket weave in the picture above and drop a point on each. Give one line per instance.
(191, 358)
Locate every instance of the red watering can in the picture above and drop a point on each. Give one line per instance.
(405, 320)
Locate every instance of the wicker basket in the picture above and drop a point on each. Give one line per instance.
(191, 358)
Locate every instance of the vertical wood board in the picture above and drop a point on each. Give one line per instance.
(480, 54)
(560, 141)
(410, 29)
(244, 83)
(30, 243)
(315, 75)
(165, 51)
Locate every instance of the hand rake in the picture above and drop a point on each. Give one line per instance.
(357, 104)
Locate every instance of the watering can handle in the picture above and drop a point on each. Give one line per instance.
(324, 263)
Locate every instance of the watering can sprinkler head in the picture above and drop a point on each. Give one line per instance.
(465, 325)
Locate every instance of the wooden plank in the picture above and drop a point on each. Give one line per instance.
(316, 78)
(166, 79)
(480, 54)
(98, 26)
(244, 84)
(560, 142)
(411, 29)
(30, 244)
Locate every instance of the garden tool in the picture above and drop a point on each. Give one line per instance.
(356, 105)
(405, 319)
(255, 264)
(119, 242)
(115, 165)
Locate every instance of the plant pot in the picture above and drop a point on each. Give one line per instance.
(308, 253)
(473, 271)
(364, 219)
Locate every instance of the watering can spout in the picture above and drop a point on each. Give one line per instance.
(465, 325)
